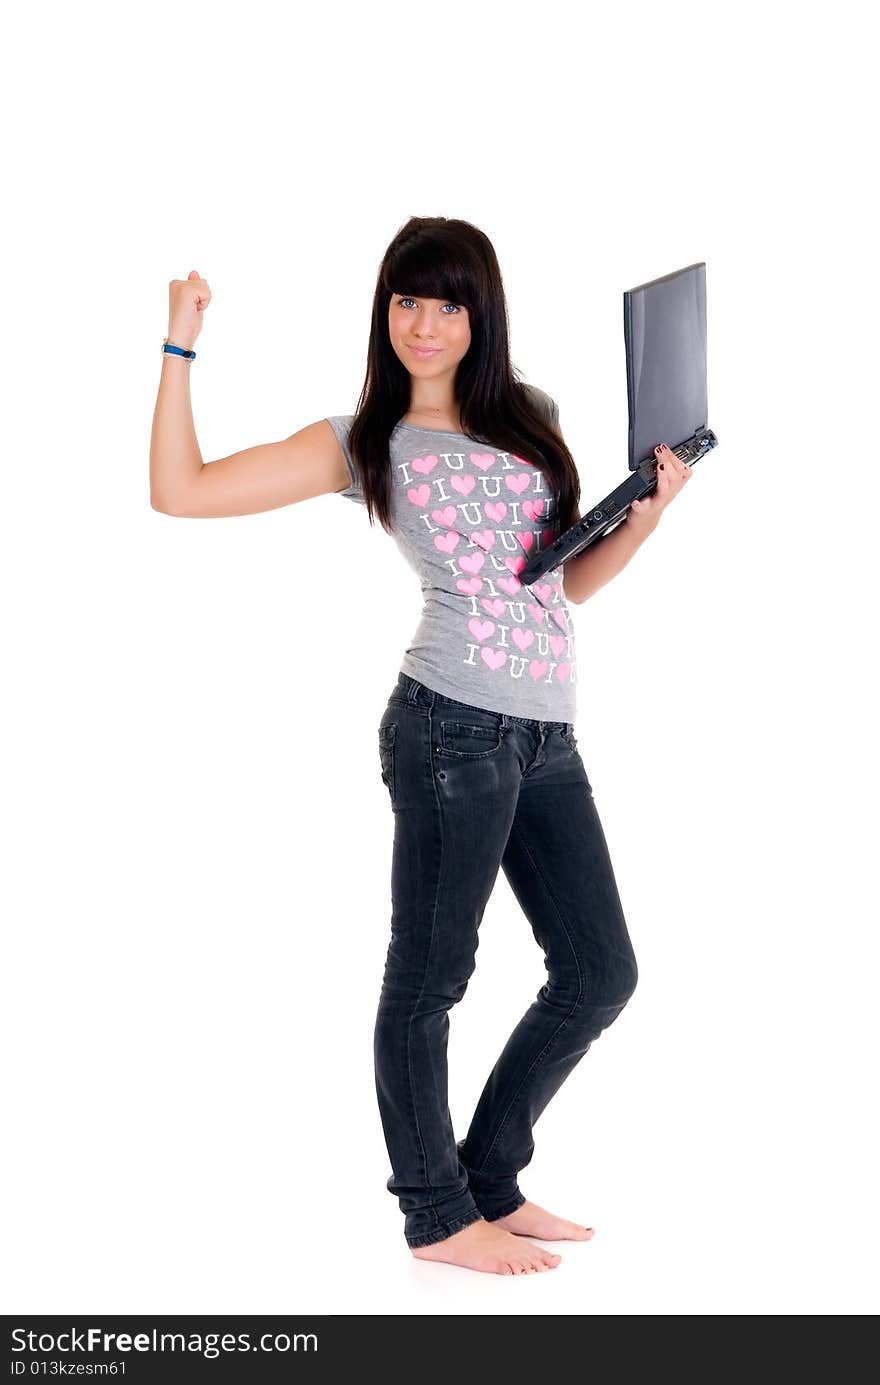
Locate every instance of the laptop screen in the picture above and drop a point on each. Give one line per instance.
(664, 325)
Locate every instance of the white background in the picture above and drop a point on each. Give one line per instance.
(197, 837)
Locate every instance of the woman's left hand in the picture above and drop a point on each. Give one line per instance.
(672, 475)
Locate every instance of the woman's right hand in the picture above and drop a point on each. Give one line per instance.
(187, 300)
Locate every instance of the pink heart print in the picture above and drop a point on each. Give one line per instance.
(494, 605)
(517, 484)
(484, 538)
(472, 562)
(493, 657)
(479, 543)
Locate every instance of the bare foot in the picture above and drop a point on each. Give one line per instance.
(488, 1246)
(532, 1220)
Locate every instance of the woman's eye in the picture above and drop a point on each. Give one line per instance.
(403, 302)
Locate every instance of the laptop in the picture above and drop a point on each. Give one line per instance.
(664, 325)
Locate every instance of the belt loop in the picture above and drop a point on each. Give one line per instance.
(418, 695)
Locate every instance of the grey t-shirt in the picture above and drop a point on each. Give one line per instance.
(467, 518)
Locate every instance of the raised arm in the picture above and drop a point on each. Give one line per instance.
(265, 477)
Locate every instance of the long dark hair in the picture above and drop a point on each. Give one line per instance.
(438, 257)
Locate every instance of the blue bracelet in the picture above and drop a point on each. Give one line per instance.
(170, 350)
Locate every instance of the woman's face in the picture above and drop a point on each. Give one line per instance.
(438, 325)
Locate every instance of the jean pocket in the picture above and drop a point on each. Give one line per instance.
(569, 737)
(473, 739)
(387, 736)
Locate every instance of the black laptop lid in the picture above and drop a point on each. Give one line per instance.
(664, 324)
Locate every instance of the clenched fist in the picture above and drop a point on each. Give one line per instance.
(187, 300)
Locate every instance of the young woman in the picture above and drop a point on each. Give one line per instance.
(466, 467)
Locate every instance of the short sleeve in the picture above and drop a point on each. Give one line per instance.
(341, 425)
(548, 407)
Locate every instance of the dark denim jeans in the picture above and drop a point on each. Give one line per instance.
(473, 790)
